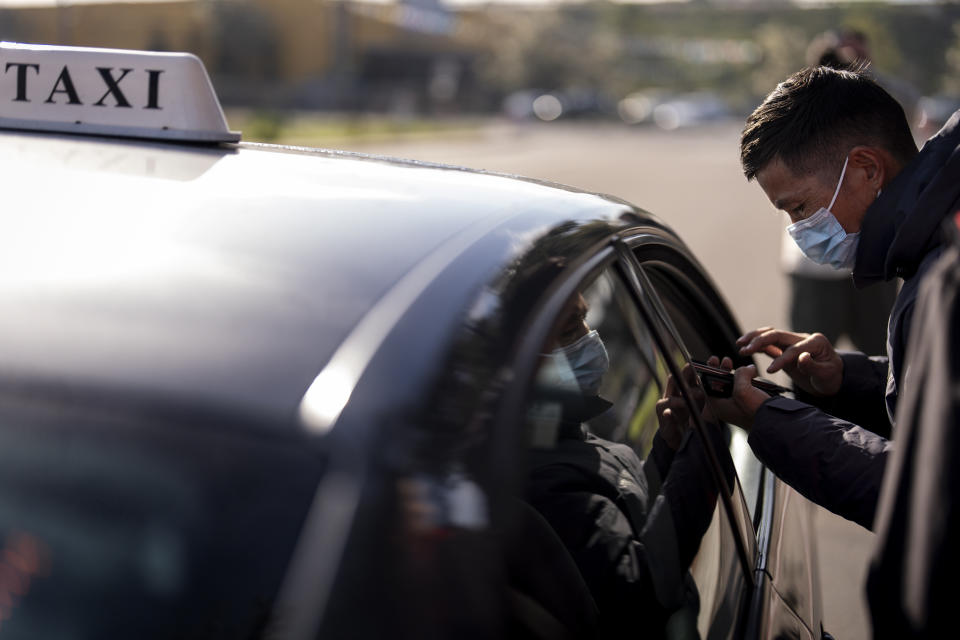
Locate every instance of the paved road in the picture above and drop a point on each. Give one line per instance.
(691, 179)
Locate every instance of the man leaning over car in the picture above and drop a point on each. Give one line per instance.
(834, 151)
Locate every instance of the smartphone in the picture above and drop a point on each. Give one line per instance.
(719, 382)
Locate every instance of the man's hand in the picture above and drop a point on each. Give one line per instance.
(742, 405)
(809, 359)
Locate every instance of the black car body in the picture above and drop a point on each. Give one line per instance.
(252, 391)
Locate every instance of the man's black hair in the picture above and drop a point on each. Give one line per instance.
(814, 117)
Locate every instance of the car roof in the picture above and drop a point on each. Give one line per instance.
(225, 275)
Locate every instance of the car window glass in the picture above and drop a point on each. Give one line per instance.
(636, 374)
(682, 351)
(628, 490)
(705, 566)
(696, 330)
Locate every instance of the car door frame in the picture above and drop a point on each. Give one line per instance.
(760, 612)
(614, 253)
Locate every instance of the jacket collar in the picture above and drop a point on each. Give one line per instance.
(578, 411)
(903, 224)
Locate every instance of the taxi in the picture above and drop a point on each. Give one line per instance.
(259, 391)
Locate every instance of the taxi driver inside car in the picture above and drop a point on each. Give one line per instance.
(612, 510)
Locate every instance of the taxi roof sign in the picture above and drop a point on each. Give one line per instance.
(115, 92)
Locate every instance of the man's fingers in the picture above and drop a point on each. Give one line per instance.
(788, 359)
(770, 342)
(759, 342)
(697, 396)
(714, 361)
(747, 337)
(812, 348)
(672, 411)
(663, 406)
(743, 378)
(811, 366)
(671, 388)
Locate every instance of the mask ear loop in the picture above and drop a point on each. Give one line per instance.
(839, 184)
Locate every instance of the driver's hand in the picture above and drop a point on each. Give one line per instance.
(673, 412)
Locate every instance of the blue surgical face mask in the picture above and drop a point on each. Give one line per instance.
(823, 239)
(579, 366)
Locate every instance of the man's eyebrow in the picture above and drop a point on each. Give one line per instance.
(782, 203)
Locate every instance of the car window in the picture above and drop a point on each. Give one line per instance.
(635, 378)
(698, 330)
(628, 489)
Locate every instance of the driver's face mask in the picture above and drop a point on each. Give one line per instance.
(579, 366)
(822, 239)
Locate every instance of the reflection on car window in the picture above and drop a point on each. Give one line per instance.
(616, 468)
(134, 529)
(702, 339)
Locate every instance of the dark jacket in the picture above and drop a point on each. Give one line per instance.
(815, 444)
(914, 568)
(632, 526)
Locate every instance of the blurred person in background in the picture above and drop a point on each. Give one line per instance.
(632, 526)
(847, 48)
(823, 298)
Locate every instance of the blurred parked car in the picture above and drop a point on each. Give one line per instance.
(638, 107)
(571, 103)
(518, 105)
(689, 109)
(671, 111)
(257, 391)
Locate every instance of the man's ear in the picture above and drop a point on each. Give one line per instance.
(872, 163)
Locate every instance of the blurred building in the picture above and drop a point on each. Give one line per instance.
(330, 54)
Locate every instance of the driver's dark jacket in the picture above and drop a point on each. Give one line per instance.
(632, 526)
(834, 450)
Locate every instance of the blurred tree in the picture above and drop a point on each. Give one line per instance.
(783, 51)
(621, 47)
(10, 28)
(548, 48)
(246, 41)
(951, 79)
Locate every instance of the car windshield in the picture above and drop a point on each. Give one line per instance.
(113, 528)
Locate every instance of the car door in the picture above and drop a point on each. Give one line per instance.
(775, 521)
(590, 462)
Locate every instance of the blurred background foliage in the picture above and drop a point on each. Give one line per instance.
(423, 60)
(742, 52)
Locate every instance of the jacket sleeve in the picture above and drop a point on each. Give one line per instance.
(861, 399)
(691, 489)
(832, 462)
